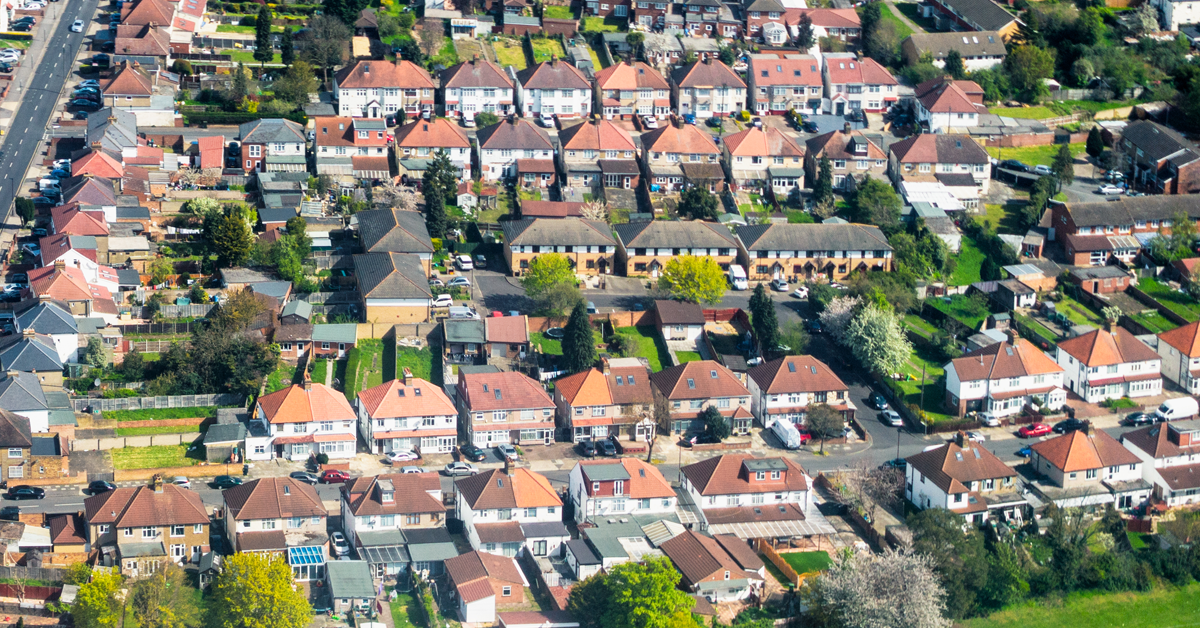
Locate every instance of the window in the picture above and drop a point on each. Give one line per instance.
(15, 452)
(149, 533)
(102, 528)
(128, 531)
(176, 530)
(507, 591)
(531, 512)
(412, 520)
(198, 528)
(268, 524)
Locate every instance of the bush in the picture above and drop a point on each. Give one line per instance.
(249, 20)
(322, 458)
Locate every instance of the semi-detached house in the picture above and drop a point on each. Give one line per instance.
(556, 88)
(626, 89)
(1003, 379)
(139, 530)
(597, 154)
(938, 157)
(944, 103)
(764, 158)
(394, 287)
(352, 147)
(505, 510)
(778, 85)
(854, 84)
(389, 502)
(707, 88)
(850, 153)
(1087, 467)
(477, 86)
(753, 497)
(1180, 352)
(273, 145)
(601, 489)
(273, 515)
(407, 413)
(373, 89)
(303, 420)
(502, 145)
(785, 388)
(613, 401)
(1102, 365)
(424, 139)
(395, 231)
(682, 392)
(965, 479)
(1169, 453)
(669, 151)
(504, 407)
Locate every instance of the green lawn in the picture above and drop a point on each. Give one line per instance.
(282, 377)
(1028, 113)
(962, 308)
(1034, 155)
(1079, 313)
(420, 361)
(1179, 302)
(247, 57)
(1004, 218)
(606, 25)
(902, 29)
(650, 345)
(318, 370)
(543, 49)
(15, 43)
(510, 52)
(912, 11)
(1155, 322)
(161, 413)
(1038, 329)
(687, 356)
(919, 325)
(807, 562)
(551, 346)
(447, 56)
(1095, 106)
(970, 260)
(369, 367)
(1166, 606)
(148, 431)
(557, 12)
(155, 457)
(400, 614)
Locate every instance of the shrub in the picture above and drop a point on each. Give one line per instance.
(249, 20)
(322, 458)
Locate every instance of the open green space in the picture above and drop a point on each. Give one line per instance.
(557, 12)
(970, 261)
(247, 56)
(1166, 606)
(1034, 155)
(1096, 106)
(1004, 218)
(150, 431)
(687, 356)
(15, 43)
(1177, 301)
(156, 456)
(510, 52)
(650, 345)
(1027, 113)
(447, 56)
(966, 310)
(807, 562)
(902, 29)
(248, 30)
(544, 49)
(161, 413)
(364, 367)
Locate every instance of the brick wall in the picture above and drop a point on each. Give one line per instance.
(560, 27)
(1032, 139)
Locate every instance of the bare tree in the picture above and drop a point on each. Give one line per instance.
(18, 576)
(199, 176)
(867, 487)
(898, 589)
(432, 34)
(595, 210)
(399, 197)
(822, 422)
(323, 43)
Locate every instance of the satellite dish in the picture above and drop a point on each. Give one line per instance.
(96, 382)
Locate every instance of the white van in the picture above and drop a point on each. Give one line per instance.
(737, 277)
(1177, 409)
(787, 433)
(463, 312)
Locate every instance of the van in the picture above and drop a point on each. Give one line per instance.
(1176, 409)
(737, 277)
(46, 183)
(463, 312)
(787, 433)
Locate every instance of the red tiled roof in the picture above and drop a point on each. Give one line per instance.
(98, 164)
(866, 71)
(507, 329)
(71, 220)
(630, 76)
(141, 506)
(493, 489)
(394, 399)
(502, 391)
(294, 404)
(551, 209)
(755, 142)
(1186, 339)
(340, 131)
(212, 148)
(437, 133)
(952, 466)
(130, 80)
(645, 480)
(796, 374)
(370, 73)
(792, 70)
(687, 140)
(596, 135)
(726, 475)
(1102, 348)
(708, 379)
(1080, 450)
(1004, 360)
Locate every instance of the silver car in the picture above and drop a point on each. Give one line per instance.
(455, 469)
(341, 547)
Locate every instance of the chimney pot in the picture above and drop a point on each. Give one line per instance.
(60, 264)
(408, 376)
(846, 128)
(307, 384)
(28, 333)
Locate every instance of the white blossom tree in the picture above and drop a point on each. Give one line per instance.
(837, 315)
(595, 210)
(198, 176)
(898, 589)
(877, 339)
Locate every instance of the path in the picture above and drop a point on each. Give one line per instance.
(903, 18)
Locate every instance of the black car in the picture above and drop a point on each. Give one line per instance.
(606, 448)
(472, 453)
(83, 103)
(812, 326)
(100, 486)
(587, 448)
(878, 402)
(1013, 164)
(108, 46)
(21, 28)
(304, 476)
(226, 481)
(26, 492)
(1139, 418)
(896, 463)
(1068, 425)
(10, 513)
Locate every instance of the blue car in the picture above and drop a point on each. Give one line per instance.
(59, 173)
(1025, 451)
(689, 118)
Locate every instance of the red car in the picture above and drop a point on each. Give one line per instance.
(805, 436)
(334, 476)
(1036, 429)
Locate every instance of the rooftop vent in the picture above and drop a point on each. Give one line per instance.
(400, 392)
(712, 374)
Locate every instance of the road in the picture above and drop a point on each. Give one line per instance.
(40, 96)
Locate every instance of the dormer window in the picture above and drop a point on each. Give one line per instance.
(761, 475)
(726, 575)
(389, 497)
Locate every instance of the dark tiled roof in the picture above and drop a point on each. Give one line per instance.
(984, 14)
(813, 237)
(393, 231)
(391, 276)
(679, 313)
(675, 234)
(1154, 139)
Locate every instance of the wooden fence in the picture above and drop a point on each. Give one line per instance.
(768, 552)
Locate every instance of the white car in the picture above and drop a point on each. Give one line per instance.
(463, 262)
(340, 546)
(9, 57)
(181, 482)
(801, 292)
(469, 122)
(77, 26)
(443, 300)
(649, 122)
(402, 455)
(412, 469)
(1109, 189)
(547, 120)
(779, 285)
(978, 437)
(508, 451)
(1039, 169)
(455, 469)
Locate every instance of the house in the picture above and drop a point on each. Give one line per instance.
(612, 401)
(296, 312)
(1121, 216)
(972, 15)
(502, 144)
(555, 88)
(70, 286)
(850, 153)
(396, 231)
(944, 103)
(303, 420)
(633, 88)
(273, 145)
(679, 320)
(811, 251)
(423, 139)
(1098, 250)
(139, 529)
(682, 392)
(407, 413)
(598, 154)
(930, 157)
(1003, 379)
(1087, 467)
(391, 501)
(662, 50)
(49, 319)
(481, 583)
(1180, 351)
(272, 515)
(22, 395)
(1158, 158)
(753, 497)
(497, 507)
(1102, 365)
(720, 569)
(507, 337)
(1101, 279)
(351, 586)
(609, 488)
(854, 84)
(978, 50)
(785, 387)
(841, 24)
(35, 353)
(130, 87)
(644, 248)
(141, 41)
(394, 287)
(778, 85)
(372, 89)
(68, 533)
(588, 245)
(760, 15)
(1173, 15)
(98, 164)
(504, 407)
(1168, 453)
(667, 149)
(333, 340)
(707, 88)
(477, 86)
(18, 461)
(965, 479)
(351, 147)
(752, 154)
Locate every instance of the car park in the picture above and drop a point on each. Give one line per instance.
(304, 476)
(779, 284)
(1034, 430)
(77, 26)
(402, 455)
(334, 476)
(1108, 189)
(226, 481)
(457, 469)
(472, 453)
(26, 492)
(507, 451)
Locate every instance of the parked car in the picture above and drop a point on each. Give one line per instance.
(878, 402)
(587, 448)
(1013, 164)
(1034, 430)
(341, 547)
(100, 486)
(896, 463)
(304, 476)
(226, 481)
(402, 455)
(546, 120)
(1138, 418)
(32, 249)
(757, 123)
(38, 232)
(801, 292)
(891, 417)
(648, 122)
(779, 284)
(412, 469)
(508, 451)
(26, 492)
(977, 437)
(77, 26)
(21, 28)
(455, 469)
(472, 453)
(10, 513)
(481, 261)
(1109, 189)
(1025, 451)
(714, 121)
(443, 300)
(591, 307)
(463, 262)
(606, 448)
(1069, 425)
(334, 476)
(689, 118)
(181, 482)
(813, 325)
(460, 281)
(436, 282)
(1042, 170)
(83, 103)
(468, 122)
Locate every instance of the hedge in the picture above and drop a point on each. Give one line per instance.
(238, 117)
(16, 36)
(351, 384)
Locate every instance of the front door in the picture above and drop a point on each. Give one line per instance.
(841, 108)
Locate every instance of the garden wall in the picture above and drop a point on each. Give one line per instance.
(80, 477)
(1150, 301)
(220, 195)
(202, 470)
(1032, 139)
(616, 319)
(120, 442)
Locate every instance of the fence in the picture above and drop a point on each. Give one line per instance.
(150, 403)
(330, 298)
(155, 328)
(196, 310)
(121, 442)
(768, 552)
(148, 346)
(1150, 301)
(45, 574)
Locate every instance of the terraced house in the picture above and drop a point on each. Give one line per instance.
(627, 89)
(812, 251)
(778, 85)
(555, 88)
(374, 89)
(588, 245)
(644, 248)
(475, 87)
(1159, 158)
(707, 88)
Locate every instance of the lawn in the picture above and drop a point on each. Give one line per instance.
(1102, 610)
(419, 361)
(319, 368)
(1034, 155)
(962, 308)
(557, 12)
(920, 325)
(970, 261)
(1179, 302)
(14, 43)
(1155, 322)
(902, 29)
(510, 52)
(283, 377)
(1027, 113)
(912, 11)
(447, 56)
(400, 606)
(687, 356)
(367, 361)
(543, 49)
(1004, 218)
(1079, 313)
(1094, 106)
(149, 431)
(161, 413)
(1038, 329)
(155, 457)
(606, 25)
(650, 345)
(247, 56)
(807, 562)
(551, 346)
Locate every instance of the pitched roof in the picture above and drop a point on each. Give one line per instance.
(436, 133)
(15, 431)
(1127, 210)
(702, 379)
(506, 390)
(391, 276)
(69, 219)
(848, 69)
(89, 191)
(550, 209)
(393, 399)
(475, 567)
(98, 164)
(768, 70)
(492, 489)
(709, 73)
(968, 44)
(698, 557)
(982, 14)
(1186, 339)
(1156, 141)
(507, 329)
(675, 234)
(294, 404)
(943, 95)
(952, 467)
(411, 494)
(596, 135)
(553, 74)
(586, 388)
(267, 130)
(47, 318)
(513, 134)
(938, 148)
(642, 480)
(393, 231)
(273, 498)
(1161, 440)
(672, 312)
(724, 475)
(35, 354)
(67, 529)
(476, 73)
(630, 76)
(813, 237)
(141, 506)
(22, 393)
(65, 284)
(755, 142)
(842, 145)
(1081, 450)
(145, 12)
(344, 131)
(558, 231)
(829, 18)
(130, 80)
(795, 374)
(688, 140)
(373, 73)
(1102, 348)
(1004, 360)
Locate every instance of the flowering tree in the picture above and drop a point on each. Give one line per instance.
(877, 339)
(595, 210)
(897, 589)
(837, 315)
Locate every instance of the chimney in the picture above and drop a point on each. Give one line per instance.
(708, 59)
(605, 365)
(961, 440)
(307, 384)
(157, 483)
(678, 122)
(60, 264)
(1087, 428)
(408, 376)
(11, 373)
(475, 61)
(96, 145)
(553, 60)
(846, 128)
(508, 468)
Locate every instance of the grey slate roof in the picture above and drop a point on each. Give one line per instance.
(269, 130)
(272, 214)
(22, 393)
(298, 307)
(47, 318)
(276, 289)
(1126, 210)
(347, 332)
(518, 133)
(350, 579)
(115, 129)
(675, 234)
(133, 213)
(393, 231)
(542, 529)
(129, 277)
(813, 237)
(229, 433)
(243, 275)
(35, 354)
(391, 276)
(583, 552)
(985, 14)
(978, 43)
(558, 232)
(1155, 140)
(464, 331)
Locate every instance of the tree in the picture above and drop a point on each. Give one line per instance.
(693, 279)
(486, 119)
(805, 38)
(1095, 143)
(989, 270)
(297, 234)
(1064, 164)
(545, 272)
(954, 65)
(287, 48)
(430, 38)
(958, 554)
(876, 203)
(715, 424)
(98, 603)
(239, 88)
(883, 44)
(77, 574)
(763, 320)
(823, 187)
(897, 589)
(869, 19)
(1029, 33)
(263, 50)
(578, 343)
(160, 270)
(823, 422)
(1146, 19)
(435, 213)
(232, 239)
(440, 183)
(296, 84)
(164, 600)
(877, 339)
(635, 40)
(1083, 72)
(323, 43)
(182, 67)
(257, 591)
(633, 595)
(133, 366)
(837, 316)
(94, 354)
(1026, 67)
(595, 210)
(202, 207)
(1168, 247)
(866, 487)
(697, 203)
(794, 337)
(345, 10)
(557, 299)
(389, 26)
(197, 294)
(25, 209)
